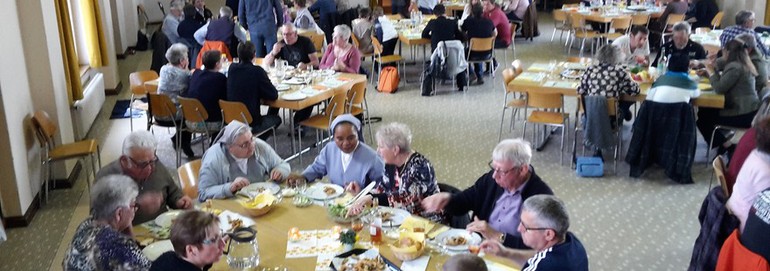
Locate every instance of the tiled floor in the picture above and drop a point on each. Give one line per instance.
(625, 224)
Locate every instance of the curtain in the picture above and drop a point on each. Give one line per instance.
(767, 13)
(94, 33)
(69, 55)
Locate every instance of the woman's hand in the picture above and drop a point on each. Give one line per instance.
(339, 66)
(238, 183)
(295, 180)
(359, 205)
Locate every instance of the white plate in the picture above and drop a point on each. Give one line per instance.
(294, 96)
(294, 81)
(165, 219)
(471, 237)
(282, 87)
(567, 73)
(253, 190)
(327, 72)
(316, 191)
(226, 216)
(154, 250)
(398, 216)
(575, 66)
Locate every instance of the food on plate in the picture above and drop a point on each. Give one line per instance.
(338, 210)
(329, 190)
(639, 74)
(147, 242)
(354, 263)
(207, 208)
(260, 189)
(288, 192)
(456, 241)
(407, 243)
(161, 233)
(571, 73)
(262, 200)
(234, 223)
(386, 216)
(301, 201)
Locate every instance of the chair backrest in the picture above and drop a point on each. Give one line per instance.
(612, 106)
(545, 100)
(136, 81)
(235, 111)
(621, 24)
(193, 110)
(674, 18)
(356, 42)
(188, 178)
(457, 221)
(578, 21)
(482, 44)
(377, 46)
(160, 105)
(518, 68)
(356, 95)
(336, 107)
(508, 75)
(640, 19)
(559, 17)
(45, 128)
(717, 21)
(317, 39)
(719, 171)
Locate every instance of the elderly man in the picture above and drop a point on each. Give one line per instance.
(202, 14)
(249, 84)
(158, 189)
(544, 227)
(171, 22)
(634, 47)
(261, 18)
(347, 162)
(297, 50)
(744, 23)
(680, 43)
(496, 197)
(222, 29)
(104, 241)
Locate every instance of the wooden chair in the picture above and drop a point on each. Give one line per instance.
(518, 99)
(138, 89)
(194, 112)
(561, 23)
(580, 32)
(162, 112)
(670, 22)
(513, 44)
(546, 109)
(612, 111)
(621, 25)
(480, 45)
(321, 121)
(45, 129)
(640, 19)
(357, 44)
(719, 171)
(716, 22)
(318, 41)
(565, 6)
(356, 104)
(188, 178)
(238, 111)
(379, 58)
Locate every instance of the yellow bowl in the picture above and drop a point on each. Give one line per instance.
(260, 205)
(412, 252)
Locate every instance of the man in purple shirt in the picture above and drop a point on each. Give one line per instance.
(496, 197)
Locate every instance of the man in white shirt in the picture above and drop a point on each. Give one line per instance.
(634, 47)
(171, 22)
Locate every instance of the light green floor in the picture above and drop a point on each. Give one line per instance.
(624, 223)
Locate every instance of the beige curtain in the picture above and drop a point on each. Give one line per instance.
(94, 33)
(69, 55)
(767, 13)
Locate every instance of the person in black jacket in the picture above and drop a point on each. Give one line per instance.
(250, 85)
(478, 26)
(209, 86)
(496, 197)
(186, 31)
(202, 13)
(198, 243)
(701, 13)
(441, 28)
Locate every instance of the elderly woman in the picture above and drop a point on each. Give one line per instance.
(409, 176)
(347, 162)
(235, 160)
(607, 78)
(363, 30)
(304, 19)
(173, 82)
(341, 55)
(198, 243)
(104, 241)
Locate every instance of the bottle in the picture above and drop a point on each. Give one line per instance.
(375, 230)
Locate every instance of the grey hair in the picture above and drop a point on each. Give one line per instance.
(286, 26)
(342, 30)
(743, 16)
(176, 5)
(609, 54)
(549, 212)
(111, 192)
(139, 140)
(396, 134)
(176, 53)
(682, 26)
(226, 12)
(516, 151)
(748, 39)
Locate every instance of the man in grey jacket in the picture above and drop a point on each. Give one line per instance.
(236, 160)
(261, 18)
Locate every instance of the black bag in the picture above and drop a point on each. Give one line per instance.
(142, 42)
(427, 84)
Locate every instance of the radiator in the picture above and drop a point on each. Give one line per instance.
(85, 111)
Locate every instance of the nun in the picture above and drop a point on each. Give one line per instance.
(235, 160)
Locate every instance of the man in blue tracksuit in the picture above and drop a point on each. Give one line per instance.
(259, 17)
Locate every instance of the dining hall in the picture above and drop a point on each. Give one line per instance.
(422, 135)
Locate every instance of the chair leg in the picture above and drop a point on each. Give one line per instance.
(502, 120)
(554, 34)
(711, 142)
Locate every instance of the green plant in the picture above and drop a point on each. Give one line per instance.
(348, 237)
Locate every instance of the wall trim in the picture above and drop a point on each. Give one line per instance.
(26, 219)
(129, 51)
(114, 91)
(69, 182)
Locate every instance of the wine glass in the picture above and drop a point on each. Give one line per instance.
(357, 224)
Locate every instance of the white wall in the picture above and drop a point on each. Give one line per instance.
(110, 71)
(126, 24)
(731, 7)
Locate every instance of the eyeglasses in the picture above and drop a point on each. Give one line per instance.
(502, 172)
(528, 229)
(143, 165)
(214, 240)
(247, 144)
(135, 206)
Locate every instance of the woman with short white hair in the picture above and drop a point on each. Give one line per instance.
(341, 55)
(104, 241)
(409, 176)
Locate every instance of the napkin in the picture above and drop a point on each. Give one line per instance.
(419, 264)
(226, 216)
(323, 262)
(438, 231)
(560, 84)
(540, 67)
(530, 76)
(493, 266)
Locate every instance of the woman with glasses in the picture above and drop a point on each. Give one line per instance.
(104, 241)
(235, 160)
(198, 243)
(409, 176)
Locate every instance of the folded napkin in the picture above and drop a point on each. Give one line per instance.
(419, 264)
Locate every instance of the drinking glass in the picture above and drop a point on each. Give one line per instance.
(357, 224)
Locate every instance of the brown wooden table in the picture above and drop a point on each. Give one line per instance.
(272, 232)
